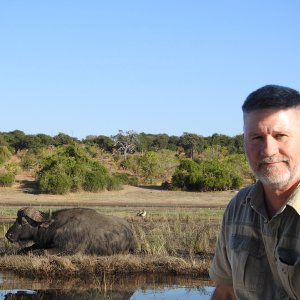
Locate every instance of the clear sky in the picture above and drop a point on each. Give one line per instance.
(94, 67)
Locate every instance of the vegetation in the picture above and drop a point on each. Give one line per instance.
(7, 170)
(180, 241)
(70, 168)
(6, 179)
(5, 154)
(217, 173)
(63, 164)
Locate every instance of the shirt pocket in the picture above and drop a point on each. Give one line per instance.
(289, 270)
(249, 263)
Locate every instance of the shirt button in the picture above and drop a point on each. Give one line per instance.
(282, 294)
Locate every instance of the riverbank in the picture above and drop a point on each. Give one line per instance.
(81, 266)
(177, 235)
(179, 241)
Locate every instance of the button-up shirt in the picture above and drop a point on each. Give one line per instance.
(258, 256)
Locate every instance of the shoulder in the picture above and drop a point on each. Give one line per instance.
(239, 204)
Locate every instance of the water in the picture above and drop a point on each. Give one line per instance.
(172, 293)
(151, 287)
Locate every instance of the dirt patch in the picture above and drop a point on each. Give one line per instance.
(24, 193)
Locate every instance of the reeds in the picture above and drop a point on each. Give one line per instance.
(180, 235)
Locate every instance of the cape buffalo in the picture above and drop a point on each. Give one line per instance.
(70, 231)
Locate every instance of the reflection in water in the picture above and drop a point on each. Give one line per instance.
(179, 293)
(69, 295)
(146, 287)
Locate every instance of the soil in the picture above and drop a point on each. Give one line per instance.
(24, 193)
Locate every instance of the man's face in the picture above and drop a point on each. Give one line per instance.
(272, 144)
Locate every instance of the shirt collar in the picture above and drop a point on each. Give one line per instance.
(294, 200)
(256, 198)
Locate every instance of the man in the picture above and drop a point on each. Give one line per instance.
(258, 250)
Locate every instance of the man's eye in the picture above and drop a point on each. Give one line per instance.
(280, 136)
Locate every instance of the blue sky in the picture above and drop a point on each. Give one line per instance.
(94, 67)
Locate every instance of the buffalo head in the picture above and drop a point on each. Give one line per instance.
(26, 225)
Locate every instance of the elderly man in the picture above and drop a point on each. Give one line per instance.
(258, 250)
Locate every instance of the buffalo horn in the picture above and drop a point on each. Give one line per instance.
(32, 213)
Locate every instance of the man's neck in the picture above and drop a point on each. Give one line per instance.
(276, 198)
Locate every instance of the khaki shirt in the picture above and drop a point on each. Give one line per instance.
(259, 257)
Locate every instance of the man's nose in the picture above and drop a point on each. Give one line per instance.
(269, 146)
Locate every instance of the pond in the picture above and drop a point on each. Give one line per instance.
(145, 287)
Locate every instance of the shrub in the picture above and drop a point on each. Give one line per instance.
(96, 177)
(5, 154)
(75, 170)
(7, 179)
(186, 176)
(126, 178)
(28, 161)
(55, 182)
(150, 167)
(12, 168)
(114, 183)
(210, 175)
(95, 181)
(131, 164)
(215, 176)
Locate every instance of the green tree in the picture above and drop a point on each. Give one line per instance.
(5, 154)
(150, 166)
(102, 141)
(191, 143)
(214, 152)
(160, 142)
(63, 139)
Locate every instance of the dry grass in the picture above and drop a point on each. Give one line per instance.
(176, 243)
(91, 266)
(177, 236)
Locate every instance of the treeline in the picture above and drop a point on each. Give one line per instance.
(63, 164)
(189, 143)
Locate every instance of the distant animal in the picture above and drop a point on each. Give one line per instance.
(141, 213)
(70, 231)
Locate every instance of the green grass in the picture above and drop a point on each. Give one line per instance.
(127, 212)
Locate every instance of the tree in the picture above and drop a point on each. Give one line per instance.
(150, 166)
(160, 142)
(102, 141)
(63, 139)
(214, 152)
(125, 142)
(5, 154)
(191, 143)
(173, 142)
(16, 139)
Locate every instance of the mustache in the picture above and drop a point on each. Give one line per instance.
(271, 159)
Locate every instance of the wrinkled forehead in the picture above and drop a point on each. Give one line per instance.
(272, 119)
